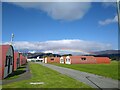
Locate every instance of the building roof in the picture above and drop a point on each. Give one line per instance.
(102, 59)
(4, 50)
(81, 56)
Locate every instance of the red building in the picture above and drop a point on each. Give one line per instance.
(16, 60)
(86, 60)
(52, 60)
(23, 60)
(6, 60)
(77, 60)
(80, 60)
(100, 60)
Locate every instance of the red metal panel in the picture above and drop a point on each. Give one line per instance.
(89, 60)
(102, 60)
(53, 59)
(81, 60)
(23, 60)
(16, 56)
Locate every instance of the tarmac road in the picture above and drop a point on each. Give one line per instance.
(95, 81)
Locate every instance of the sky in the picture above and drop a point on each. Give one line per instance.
(59, 27)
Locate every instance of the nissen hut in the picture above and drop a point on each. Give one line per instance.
(6, 62)
(52, 60)
(86, 60)
(101, 60)
(23, 60)
(16, 60)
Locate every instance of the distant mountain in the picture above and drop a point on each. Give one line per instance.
(28, 51)
(106, 52)
(112, 54)
(41, 55)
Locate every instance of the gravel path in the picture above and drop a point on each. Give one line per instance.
(95, 81)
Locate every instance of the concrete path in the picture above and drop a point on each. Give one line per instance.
(95, 81)
(26, 75)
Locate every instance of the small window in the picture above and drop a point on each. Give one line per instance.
(83, 58)
(67, 60)
(6, 62)
(10, 58)
(52, 58)
(62, 60)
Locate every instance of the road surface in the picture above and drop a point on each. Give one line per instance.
(95, 81)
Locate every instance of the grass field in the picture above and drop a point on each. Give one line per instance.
(0, 87)
(107, 70)
(51, 79)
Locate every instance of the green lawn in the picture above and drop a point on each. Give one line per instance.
(0, 87)
(51, 79)
(107, 70)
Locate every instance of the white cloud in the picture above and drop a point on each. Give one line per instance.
(109, 4)
(109, 21)
(59, 9)
(65, 11)
(58, 46)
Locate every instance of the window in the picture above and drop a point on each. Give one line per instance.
(62, 60)
(52, 58)
(10, 58)
(67, 60)
(6, 63)
(83, 58)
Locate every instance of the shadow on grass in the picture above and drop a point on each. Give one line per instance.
(22, 67)
(16, 73)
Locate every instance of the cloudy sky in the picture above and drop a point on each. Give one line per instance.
(61, 27)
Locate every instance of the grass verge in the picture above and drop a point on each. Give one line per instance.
(51, 79)
(107, 70)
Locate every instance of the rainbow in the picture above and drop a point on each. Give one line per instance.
(73, 50)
